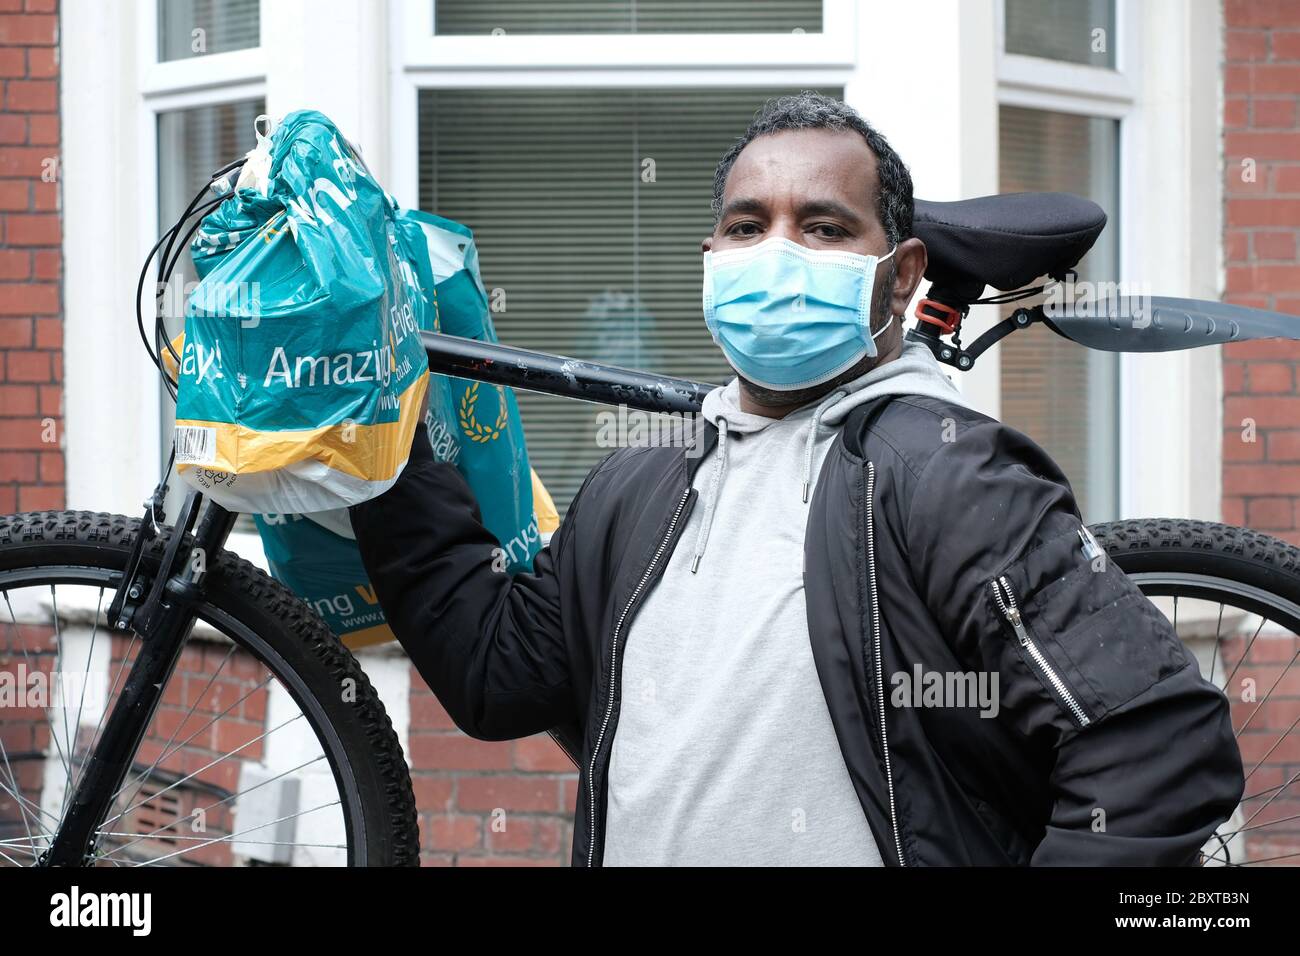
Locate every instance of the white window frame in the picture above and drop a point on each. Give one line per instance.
(135, 90)
(426, 61)
(165, 86)
(1104, 92)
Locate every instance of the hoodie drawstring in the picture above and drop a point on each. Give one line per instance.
(719, 469)
(811, 443)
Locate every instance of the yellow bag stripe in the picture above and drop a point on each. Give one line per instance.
(548, 519)
(368, 637)
(368, 452)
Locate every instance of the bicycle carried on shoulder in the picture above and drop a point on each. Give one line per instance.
(196, 712)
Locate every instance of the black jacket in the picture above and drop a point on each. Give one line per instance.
(1107, 747)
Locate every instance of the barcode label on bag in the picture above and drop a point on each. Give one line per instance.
(196, 445)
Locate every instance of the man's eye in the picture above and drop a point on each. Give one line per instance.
(744, 229)
(826, 230)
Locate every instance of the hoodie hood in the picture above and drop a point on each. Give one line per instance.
(915, 372)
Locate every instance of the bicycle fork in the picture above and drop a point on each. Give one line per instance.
(163, 621)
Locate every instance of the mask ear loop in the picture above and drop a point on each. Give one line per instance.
(880, 331)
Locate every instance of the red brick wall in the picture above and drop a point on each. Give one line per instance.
(31, 259)
(1261, 415)
(487, 804)
(1261, 447)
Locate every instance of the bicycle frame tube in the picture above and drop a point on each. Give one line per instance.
(558, 375)
(163, 627)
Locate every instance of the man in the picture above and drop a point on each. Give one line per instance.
(724, 638)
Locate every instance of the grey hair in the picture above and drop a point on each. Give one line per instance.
(809, 110)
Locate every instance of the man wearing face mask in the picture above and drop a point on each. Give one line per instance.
(724, 637)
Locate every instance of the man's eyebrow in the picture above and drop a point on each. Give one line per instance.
(743, 204)
(828, 207)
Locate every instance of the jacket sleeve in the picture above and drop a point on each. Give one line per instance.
(490, 646)
(1144, 764)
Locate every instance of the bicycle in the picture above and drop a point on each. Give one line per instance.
(128, 781)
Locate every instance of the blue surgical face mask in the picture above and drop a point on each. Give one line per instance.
(789, 317)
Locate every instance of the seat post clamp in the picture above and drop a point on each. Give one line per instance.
(945, 317)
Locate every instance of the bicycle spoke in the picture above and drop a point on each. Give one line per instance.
(1258, 826)
(211, 806)
(24, 800)
(57, 677)
(1245, 653)
(11, 859)
(166, 749)
(211, 840)
(209, 766)
(1269, 753)
(230, 837)
(29, 802)
(1246, 722)
(85, 678)
(21, 847)
(191, 737)
(1269, 859)
(16, 791)
(1218, 639)
(49, 716)
(1261, 807)
(19, 842)
(1264, 793)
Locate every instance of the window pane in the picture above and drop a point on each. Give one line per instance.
(1077, 31)
(460, 17)
(189, 28)
(192, 145)
(593, 260)
(1060, 394)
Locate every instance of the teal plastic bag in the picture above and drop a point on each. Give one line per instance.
(492, 454)
(472, 425)
(302, 370)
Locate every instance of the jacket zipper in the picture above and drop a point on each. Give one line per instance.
(880, 665)
(1012, 613)
(613, 667)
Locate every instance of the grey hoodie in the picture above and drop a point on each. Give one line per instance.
(725, 752)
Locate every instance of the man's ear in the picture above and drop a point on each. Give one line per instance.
(911, 260)
(707, 244)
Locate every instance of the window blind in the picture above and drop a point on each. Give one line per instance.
(1058, 393)
(226, 24)
(467, 17)
(588, 208)
(1076, 31)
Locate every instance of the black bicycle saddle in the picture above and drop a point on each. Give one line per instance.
(1003, 241)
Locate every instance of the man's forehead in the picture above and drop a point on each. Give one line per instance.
(797, 165)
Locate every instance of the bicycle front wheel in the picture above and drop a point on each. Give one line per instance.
(270, 746)
(1233, 596)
